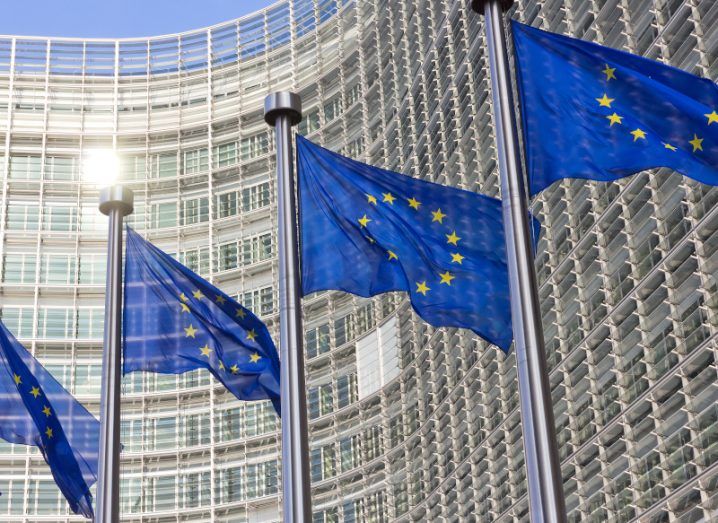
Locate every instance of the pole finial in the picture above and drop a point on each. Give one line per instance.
(480, 5)
(283, 102)
(116, 197)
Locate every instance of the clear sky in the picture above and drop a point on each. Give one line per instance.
(117, 18)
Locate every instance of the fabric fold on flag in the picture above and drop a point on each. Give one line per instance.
(36, 410)
(597, 113)
(367, 231)
(175, 321)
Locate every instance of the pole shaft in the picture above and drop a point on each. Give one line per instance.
(542, 463)
(295, 447)
(108, 487)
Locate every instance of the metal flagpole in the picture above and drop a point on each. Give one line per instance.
(283, 110)
(543, 467)
(116, 202)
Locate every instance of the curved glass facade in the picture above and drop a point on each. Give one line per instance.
(408, 422)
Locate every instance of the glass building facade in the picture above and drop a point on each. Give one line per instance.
(408, 422)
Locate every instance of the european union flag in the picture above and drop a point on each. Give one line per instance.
(175, 321)
(365, 231)
(36, 410)
(597, 113)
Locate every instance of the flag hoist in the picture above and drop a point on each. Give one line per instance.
(543, 470)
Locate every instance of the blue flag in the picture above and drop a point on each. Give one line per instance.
(36, 410)
(366, 231)
(597, 113)
(175, 321)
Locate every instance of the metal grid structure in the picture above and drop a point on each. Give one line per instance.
(408, 422)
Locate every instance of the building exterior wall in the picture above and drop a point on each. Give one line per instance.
(408, 422)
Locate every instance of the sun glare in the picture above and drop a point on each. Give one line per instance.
(100, 167)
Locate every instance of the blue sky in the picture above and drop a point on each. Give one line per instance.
(118, 18)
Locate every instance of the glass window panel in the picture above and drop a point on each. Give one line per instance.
(23, 217)
(196, 260)
(254, 146)
(88, 378)
(18, 320)
(196, 161)
(164, 493)
(59, 218)
(19, 268)
(57, 269)
(130, 495)
(225, 154)
(90, 323)
(255, 197)
(163, 165)
(55, 323)
(24, 167)
(318, 340)
(228, 256)
(347, 389)
(164, 215)
(226, 204)
(195, 211)
(61, 168)
(92, 269)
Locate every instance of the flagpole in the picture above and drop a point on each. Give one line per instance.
(546, 499)
(283, 110)
(116, 202)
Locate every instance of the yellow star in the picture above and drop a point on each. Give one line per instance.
(446, 277)
(364, 221)
(251, 334)
(183, 297)
(189, 332)
(234, 369)
(48, 432)
(388, 198)
(609, 72)
(240, 313)
(46, 411)
(35, 392)
(452, 238)
(414, 203)
(205, 350)
(670, 147)
(638, 133)
(456, 258)
(605, 101)
(437, 216)
(392, 255)
(697, 143)
(712, 117)
(614, 118)
(17, 379)
(221, 365)
(371, 199)
(254, 358)
(184, 307)
(220, 299)
(422, 288)
(198, 294)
